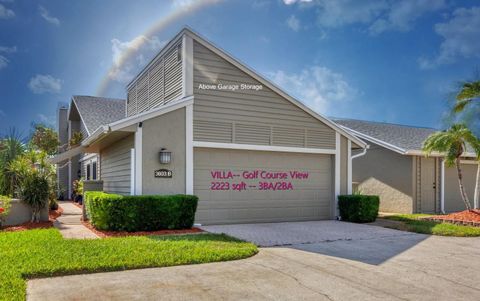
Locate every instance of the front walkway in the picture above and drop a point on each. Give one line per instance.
(69, 223)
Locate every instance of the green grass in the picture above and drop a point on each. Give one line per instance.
(413, 224)
(44, 253)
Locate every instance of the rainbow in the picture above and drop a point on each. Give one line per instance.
(177, 13)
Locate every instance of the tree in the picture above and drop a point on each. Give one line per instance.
(45, 139)
(470, 91)
(453, 143)
(11, 146)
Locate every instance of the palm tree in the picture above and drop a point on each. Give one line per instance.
(11, 146)
(470, 91)
(453, 143)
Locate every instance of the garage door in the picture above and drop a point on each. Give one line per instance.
(237, 186)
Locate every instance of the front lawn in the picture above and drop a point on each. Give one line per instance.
(412, 223)
(44, 253)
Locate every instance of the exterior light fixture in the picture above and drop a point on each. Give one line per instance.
(165, 156)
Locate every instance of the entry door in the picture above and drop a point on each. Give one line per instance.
(428, 185)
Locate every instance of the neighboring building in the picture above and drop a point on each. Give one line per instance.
(396, 169)
(84, 114)
(248, 150)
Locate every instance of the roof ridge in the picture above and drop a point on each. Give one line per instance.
(99, 97)
(385, 123)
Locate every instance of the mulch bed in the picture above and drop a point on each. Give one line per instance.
(465, 218)
(106, 234)
(52, 216)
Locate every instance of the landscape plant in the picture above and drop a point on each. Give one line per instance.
(452, 143)
(11, 147)
(44, 139)
(470, 92)
(5, 205)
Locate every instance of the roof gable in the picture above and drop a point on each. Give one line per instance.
(97, 111)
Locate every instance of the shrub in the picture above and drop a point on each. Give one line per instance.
(35, 192)
(140, 213)
(358, 208)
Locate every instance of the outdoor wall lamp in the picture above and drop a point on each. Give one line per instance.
(165, 156)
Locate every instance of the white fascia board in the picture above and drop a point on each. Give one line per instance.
(81, 118)
(349, 167)
(269, 148)
(229, 58)
(96, 135)
(189, 150)
(172, 106)
(436, 154)
(377, 141)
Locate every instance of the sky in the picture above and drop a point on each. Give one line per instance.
(395, 61)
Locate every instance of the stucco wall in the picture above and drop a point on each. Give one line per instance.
(453, 200)
(387, 174)
(166, 131)
(21, 213)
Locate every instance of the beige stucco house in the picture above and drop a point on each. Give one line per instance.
(198, 121)
(396, 169)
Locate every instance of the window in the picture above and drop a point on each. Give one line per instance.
(94, 170)
(88, 172)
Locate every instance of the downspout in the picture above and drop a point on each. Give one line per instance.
(364, 151)
(360, 154)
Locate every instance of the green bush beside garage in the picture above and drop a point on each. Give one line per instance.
(358, 208)
(115, 212)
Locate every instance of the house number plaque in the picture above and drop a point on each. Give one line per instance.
(163, 173)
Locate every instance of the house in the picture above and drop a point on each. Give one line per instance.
(198, 121)
(83, 115)
(396, 169)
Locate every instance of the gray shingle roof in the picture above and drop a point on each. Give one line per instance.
(98, 111)
(402, 136)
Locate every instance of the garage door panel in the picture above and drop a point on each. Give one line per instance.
(307, 198)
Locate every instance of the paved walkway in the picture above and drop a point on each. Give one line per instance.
(418, 267)
(291, 233)
(69, 223)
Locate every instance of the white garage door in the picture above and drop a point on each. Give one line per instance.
(237, 186)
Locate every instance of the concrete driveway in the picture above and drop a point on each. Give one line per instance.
(357, 266)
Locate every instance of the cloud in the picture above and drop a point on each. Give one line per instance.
(290, 2)
(3, 60)
(128, 57)
(6, 13)
(293, 23)
(40, 84)
(402, 14)
(377, 15)
(46, 15)
(46, 120)
(460, 38)
(319, 87)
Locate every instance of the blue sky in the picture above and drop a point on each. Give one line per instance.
(392, 61)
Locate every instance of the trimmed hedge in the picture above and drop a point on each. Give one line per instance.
(140, 213)
(358, 208)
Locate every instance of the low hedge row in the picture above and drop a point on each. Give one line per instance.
(140, 213)
(358, 208)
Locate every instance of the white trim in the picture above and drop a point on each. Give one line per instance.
(436, 154)
(187, 65)
(469, 162)
(269, 148)
(138, 160)
(189, 150)
(178, 103)
(442, 187)
(349, 167)
(337, 173)
(132, 171)
(69, 179)
(80, 114)
(123, 123)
